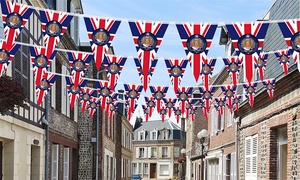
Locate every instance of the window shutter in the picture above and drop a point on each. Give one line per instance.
(212, 122)
(137, 152)
(224, 167)
(222, 120)
(146, 152)
(149, 152)
(248, 157)
(234, 167)
(160, 152)
(54, 162)
(169, 152)
(220, 167)
(66, 163)
(254, 155)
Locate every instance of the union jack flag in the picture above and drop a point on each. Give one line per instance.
(73, 92)
(150, 101)
(85, 96)
(54, 25)
(193, 112)
(147, 37)
(113, 107)
(208, 66)
(177, 113)
(113, 66)
(233, 66)
(176, 68)
(236, 101)
(104, 92)
(163, 112)
(269, 84)
(40, 61)
(145, 79)
(260, 64)
(158, 93)
(110, 101)
(220, 103)
(6, 55)
(207, 94)
(202, 105)
(130, 111)
(183, 94)
(101, 33)
(146, 111)
(247, 39)
(170, 104)
(283, 57)
(290, 30)
(45, 84)
(132, 94)
(79, 62)
(229, 91)
(189, 106)
(203, 33)
(93, 104)
(250, 89)
(14, 17)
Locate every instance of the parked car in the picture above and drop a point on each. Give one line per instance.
(136, 176)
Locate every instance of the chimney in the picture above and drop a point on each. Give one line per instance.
(121, 106)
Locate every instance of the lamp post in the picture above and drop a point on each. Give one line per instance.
(182, 174)
(202, 136)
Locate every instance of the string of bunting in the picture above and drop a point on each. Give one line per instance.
(196, 38)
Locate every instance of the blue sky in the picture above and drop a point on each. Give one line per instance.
(172, 11)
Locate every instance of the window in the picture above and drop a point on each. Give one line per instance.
(213, 169)
(153, 152)
(153, 135)
(140, 168)
(141, 135)
(146, 168)
(54, 172)
(164, 170)
(165, 152)
(214, 121)
(251, 157)
(229, 118)
(134, 168)
(142, 152)
(233, 167)
(176, 151)
(165, 134)
(66, 163)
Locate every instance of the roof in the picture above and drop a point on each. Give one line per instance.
(157, 124)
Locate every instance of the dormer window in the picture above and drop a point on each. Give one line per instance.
(165, 134)
(153, 135)
(141, 135)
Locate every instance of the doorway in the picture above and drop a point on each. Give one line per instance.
(282, 153)
(153, 170)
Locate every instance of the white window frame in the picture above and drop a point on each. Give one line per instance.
(141, 155)
(160, 169)
(66, 163)
(164, 152)
(151, 135)
(229, 118)
(153, 155)
(134, 168)
(141, 133)
(54, 162)
(251, 150)
(146, 168)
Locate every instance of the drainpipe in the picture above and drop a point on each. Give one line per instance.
(46, 123)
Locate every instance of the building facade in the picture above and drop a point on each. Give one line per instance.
(126, 157)
(156, 147)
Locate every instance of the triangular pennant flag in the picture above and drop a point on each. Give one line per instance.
(145, 79)
(110, 101)
(130, 106)
(236, 101)
(196, 39)
(132, 94)
(193, 112)
(207, 95)
(146, 112)
(147, 37)
(250, 89)
(170, 104)
(188, 107)
(176, 68)
(163, 112)
(233, 66)
(208, 66)
(260, 64)
(291, 33)
(269, 84)
(220, 103)
(202, 105)
(113, 107)
(101, 33)
(14, 17)
(104, 92)
(113, 66)
(54, 25)
(247, 39)
(6, 56)
(44, 86)
(183, 94)
(229, 91)
(283, 57)
(158, 93)
(73, 92)
(85, 96)
(40, 62)
(93, 104)
(79, 62)
(150, 102)
(177, 113)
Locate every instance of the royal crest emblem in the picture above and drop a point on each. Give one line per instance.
(113, 68)
(78, 65)
(248, 44)
(41, 61)
(44, 84)
(14, 20)
(196, 44)
(53, 28)
(147, 41)
(100, 37)
(4, 56)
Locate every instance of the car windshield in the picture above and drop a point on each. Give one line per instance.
(135, 177)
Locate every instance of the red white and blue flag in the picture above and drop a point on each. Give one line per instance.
(132, 94)
(44, 86)
(229, 91)
(207, 94)
(183, 94)
(196, 39)
(176, 68)
(54, 25)
(291, 33)
(260, 64)
(150, 102)
(147, 37)
(6, 55)
(247, 39)
(170, 104)
(40, 62)
(14, 17)
(177, 113)
(163, 112)
(113, 66)
(79, 62)
(220, 104)
(269, 84)
(85, 96)
(193, 112)
(104, 91)
(208, 66)
(73, 92)
(250, 89)
(145, 79)
(110, 101)
(236, 101)
(158, 93)
(189, 106)
(93, 104)
(233, 66)
(113, 107)
(202, 105)
(101, 32)
(146, 111)
(130, 110)
(283, 57)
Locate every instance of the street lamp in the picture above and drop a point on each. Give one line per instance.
(202, 136)
(182, 174)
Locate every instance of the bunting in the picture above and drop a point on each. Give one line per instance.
(236, 101)
(104, 92)
(132, 94)
(150, 101)
(260, 65)
(189, 106)
(73, 92)
(113, 107)
(283, 57)
(229, 91)
(158, 93)
(110, 100)
(269, 84)
(146, 112)
(101, 32)
(207, 94)
(147, 37)
(233, 66)
(193, 112)
(177, 113)
(145, 78)
(169, 104)
(93, 104)
(250, 89)
(220, 103)
(6, 55)
(85, 95)
(208, 66)
(183, 94)
(44, 86)
(202, 105)
(196, 39)
(163, 112)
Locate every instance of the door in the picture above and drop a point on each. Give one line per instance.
(152, 170)
(283, 162)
